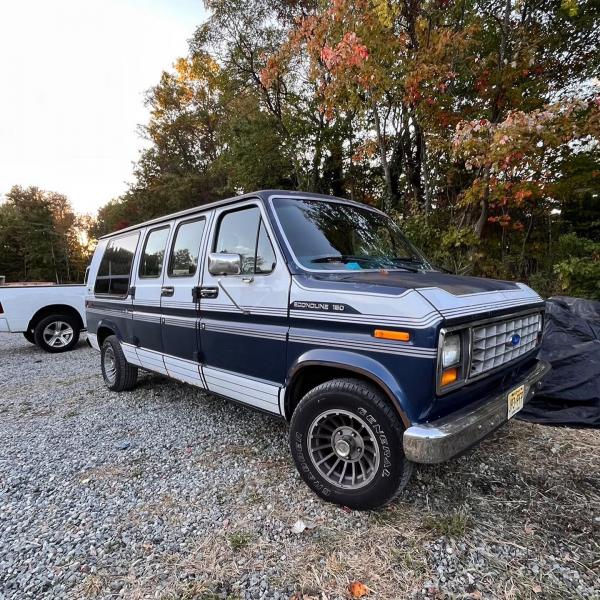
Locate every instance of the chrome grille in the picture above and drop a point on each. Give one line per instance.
(493, 343)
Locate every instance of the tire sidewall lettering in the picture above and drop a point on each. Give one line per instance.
(382, 438)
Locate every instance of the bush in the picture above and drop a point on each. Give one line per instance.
(578, 267)
(571, 266)
(448, 246)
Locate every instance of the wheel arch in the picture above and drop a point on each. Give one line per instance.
(53, 309)
(105, 328)
(321, 365)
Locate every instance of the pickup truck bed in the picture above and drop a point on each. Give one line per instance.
(51, 316)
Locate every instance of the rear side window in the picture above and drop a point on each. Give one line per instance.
(243, 232)
(186, 248)
(153, 255)
(115, 267)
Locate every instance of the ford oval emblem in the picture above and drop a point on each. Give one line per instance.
(514, 340)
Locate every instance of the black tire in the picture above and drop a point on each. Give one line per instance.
(60, 322)
(28, 335)
(118, 374)
(387, 471)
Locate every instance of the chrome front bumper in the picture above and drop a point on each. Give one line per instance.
(444, 438)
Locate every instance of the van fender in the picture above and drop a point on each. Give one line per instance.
(110, 324)
(357, 363)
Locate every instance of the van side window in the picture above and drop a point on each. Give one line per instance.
(186, 248)
(154, 253)
(115, 267)
(243, 232)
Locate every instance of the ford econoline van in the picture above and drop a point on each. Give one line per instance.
(318, 310)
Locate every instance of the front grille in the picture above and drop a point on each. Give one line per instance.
(494, 343)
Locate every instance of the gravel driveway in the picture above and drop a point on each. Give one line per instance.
(165, 492)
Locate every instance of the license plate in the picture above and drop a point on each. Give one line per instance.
(515, 400)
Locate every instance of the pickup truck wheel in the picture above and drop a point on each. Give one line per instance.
(118, 374)
(346, 441)
(56, 333)
(28, 335)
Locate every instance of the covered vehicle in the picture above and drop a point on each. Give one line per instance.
(570, 394)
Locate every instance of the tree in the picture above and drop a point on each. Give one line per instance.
(40, 237)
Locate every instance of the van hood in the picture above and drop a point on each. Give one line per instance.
(404, 280)
(453, 296)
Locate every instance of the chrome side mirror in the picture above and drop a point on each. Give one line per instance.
(224, 264)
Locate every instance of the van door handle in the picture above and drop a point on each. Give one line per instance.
(209, 292)
(167, 290)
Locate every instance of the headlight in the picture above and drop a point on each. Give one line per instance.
(451, 350)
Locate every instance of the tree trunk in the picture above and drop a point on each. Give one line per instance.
(383, 156)
(496, 112)
(425, 171)
(483, 217)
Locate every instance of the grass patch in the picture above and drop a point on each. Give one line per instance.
(238, 540)
(254, 498)
(92, 586)
(454, 525)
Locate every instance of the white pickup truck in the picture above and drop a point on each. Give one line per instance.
(51, 316)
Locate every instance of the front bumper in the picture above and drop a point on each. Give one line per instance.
(444, 438)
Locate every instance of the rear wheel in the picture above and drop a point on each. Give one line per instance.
(118, 374)
(346, 441)
(57, 333)
(28, 335)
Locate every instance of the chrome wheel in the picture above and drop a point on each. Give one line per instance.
(58, 334)
(344, 449)
(110, 365)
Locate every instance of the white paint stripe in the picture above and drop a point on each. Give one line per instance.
(93, 341)
(353, 292)
(368, 347)
(416, 323)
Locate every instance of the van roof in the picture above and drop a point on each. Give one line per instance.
(262, 194)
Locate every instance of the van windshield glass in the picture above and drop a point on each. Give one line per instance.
(335, 236)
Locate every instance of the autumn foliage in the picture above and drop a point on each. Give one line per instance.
(476, 122)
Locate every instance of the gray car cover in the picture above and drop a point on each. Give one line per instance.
(570, 393)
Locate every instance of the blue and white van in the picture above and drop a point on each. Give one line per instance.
(318, 310)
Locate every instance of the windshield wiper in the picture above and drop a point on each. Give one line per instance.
(410, 260)
(343, 258)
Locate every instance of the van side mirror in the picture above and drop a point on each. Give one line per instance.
(224, 264)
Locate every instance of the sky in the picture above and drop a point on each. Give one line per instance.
(73, 74)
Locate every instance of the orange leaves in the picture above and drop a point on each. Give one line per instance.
(350, 52)
(270, 72)
(357, 589)
(523, 195)
(364, 151)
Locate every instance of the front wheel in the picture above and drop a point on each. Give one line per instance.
(346, 441)
(118, 374)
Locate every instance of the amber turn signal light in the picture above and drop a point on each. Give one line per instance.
(449, 376)
(399, 336)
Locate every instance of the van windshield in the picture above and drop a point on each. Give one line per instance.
(329, 236)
